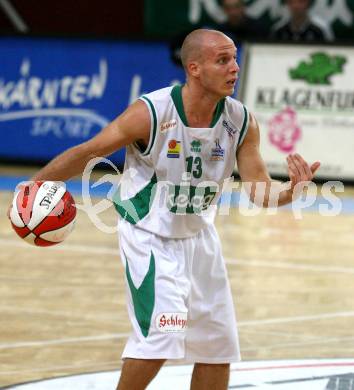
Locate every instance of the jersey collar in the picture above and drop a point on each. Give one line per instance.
(176, 95)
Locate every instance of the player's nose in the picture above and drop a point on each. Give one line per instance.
(234, 67)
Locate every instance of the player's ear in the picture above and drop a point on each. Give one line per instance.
(193, 68)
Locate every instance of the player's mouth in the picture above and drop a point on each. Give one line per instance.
(231, 82)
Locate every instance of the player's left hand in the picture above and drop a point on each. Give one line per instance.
(299, 170)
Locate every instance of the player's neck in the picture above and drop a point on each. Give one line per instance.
(199, 106)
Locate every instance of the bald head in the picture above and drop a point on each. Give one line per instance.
(196, 42)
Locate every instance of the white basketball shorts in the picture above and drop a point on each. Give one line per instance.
(179, 297)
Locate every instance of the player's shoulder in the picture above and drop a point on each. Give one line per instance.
(236, 113)
(234, 105)
(158, 94)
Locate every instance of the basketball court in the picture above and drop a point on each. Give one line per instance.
(63, 308)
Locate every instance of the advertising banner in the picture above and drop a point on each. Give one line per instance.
(57, 93)
(303, 99)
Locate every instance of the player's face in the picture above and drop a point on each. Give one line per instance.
(219, 69)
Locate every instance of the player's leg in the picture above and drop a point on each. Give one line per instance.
(211, 338)
(138, 373)
(157, 291)
(210, 376)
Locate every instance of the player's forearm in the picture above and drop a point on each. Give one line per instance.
(270, 193)
(286, 194)
(65, 166)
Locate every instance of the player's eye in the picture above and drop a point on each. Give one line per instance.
(222, 60)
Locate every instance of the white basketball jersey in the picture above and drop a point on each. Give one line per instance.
(172, 187)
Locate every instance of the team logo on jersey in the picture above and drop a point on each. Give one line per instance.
(196, 146)
(217, 153)
(168, 125)
(230, 131)
(174, 148)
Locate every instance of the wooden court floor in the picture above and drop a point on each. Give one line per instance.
(63, 309)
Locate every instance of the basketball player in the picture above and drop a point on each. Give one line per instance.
(179, 299)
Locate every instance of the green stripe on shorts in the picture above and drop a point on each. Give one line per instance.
(144, 296)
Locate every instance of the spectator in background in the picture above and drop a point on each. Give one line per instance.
(238, 26)
(301, 27)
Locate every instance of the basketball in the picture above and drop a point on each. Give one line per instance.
(43, 213)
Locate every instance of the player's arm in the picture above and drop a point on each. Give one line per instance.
(132, 125)
(253, 171)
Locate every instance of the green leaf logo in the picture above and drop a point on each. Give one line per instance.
(319, 69)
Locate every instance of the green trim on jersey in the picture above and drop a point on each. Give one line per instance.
(153, 128)
(244, 126)
(144, 296)
(176, 95)
(218, 111)
(140, 146)
(136, 208)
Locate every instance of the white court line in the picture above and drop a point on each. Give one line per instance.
(91, 249)
(285, 320)
(281, 335)
(113, 336)
(112, 318)
(40, 343)
(58, 313)
(101, 250)
(73, 366)
(288, 265)
(320, 340)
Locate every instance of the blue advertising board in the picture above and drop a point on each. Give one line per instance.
(57, 93)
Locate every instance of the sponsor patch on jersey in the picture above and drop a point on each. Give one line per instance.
(217, 153)
(168, 125)
(230, 131)
(196, 146)
(174, 148)
(171, 322)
